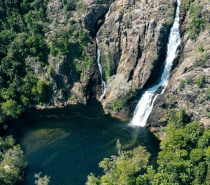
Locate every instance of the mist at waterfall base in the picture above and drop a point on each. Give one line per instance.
(145, 104)
(67, 144)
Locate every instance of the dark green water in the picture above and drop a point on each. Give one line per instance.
(68, 143)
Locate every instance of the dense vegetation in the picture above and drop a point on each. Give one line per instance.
(122, 168)
(29, 34)
(22, 27)
(185, 150)
(184, 158)
(196, 20)
(12, 165)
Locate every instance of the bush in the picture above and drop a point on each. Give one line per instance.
(41, 180)
(200, 81)
(44, 90)
(121, 169)
(197, 23)
(201, 48)
(186, 4)
(189, 81)
(12, 165)
(10, 108)
(208, 114)
(22, 37)
(117, 105)
(207, 93)
(181, 85)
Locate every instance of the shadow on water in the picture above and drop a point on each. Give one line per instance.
(68, 143)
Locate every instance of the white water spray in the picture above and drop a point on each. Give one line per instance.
(103, 83)
(145, 104)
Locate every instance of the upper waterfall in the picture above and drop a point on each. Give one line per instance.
(103, 83)
(145, 104)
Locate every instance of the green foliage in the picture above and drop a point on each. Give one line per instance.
(121, 169)
(201, 48)
(189, 81)
(184, 158)
(181, 159)
(108, 65)
(178, 117)
(208, 114)
(195, 131)
(118, 105)
(200, 81)
(81, 66)
(41, 180)
(92, 180)
(186, 4)
(22, 35)
(10, 108)
(181, 85)
(26, 42)
(60, 44)
(43, 91)
(197, 23)
(12, 165)
(196, 155)
(71, 6)
(207, 93)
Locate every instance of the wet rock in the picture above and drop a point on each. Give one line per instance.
(193, 63)
(132, 42)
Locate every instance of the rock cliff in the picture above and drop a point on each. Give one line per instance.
(133, 43)
(72, 67)
(189, 86)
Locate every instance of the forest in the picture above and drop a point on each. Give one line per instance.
(184, 157)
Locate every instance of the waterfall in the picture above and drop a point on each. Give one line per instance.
(103, 83)
(145, 104)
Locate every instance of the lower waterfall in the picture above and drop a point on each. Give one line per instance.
(145, 104)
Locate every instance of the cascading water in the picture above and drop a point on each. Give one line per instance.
(145, 105)
(103, 83)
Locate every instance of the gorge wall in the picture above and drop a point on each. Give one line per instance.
(189, 85)
(133, 44)
(59, 46)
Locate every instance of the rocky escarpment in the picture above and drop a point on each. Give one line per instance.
(133, 44)
(72, 70)
(189, 86)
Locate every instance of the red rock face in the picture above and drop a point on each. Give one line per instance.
(131, 41)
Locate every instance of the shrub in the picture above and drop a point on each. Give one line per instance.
(12, 165)
(10, 108)
(181, 85)
(201, 48)
(43, 91)
(189, 81)
(117, 105)
(200, 81)
(208, 114)
(207, 93)
(197, 23)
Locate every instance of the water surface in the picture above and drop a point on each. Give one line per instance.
(68, 143)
